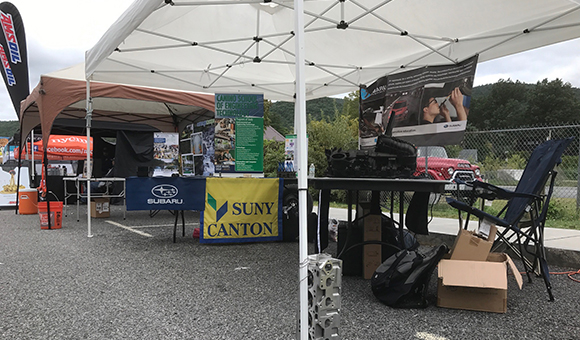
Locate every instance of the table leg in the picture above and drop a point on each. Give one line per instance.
(401, 225)
(124, 200)
(323, 207)
(175, 225)
(78, 198)
(182, 224)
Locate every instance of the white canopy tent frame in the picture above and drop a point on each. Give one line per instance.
(172, 44)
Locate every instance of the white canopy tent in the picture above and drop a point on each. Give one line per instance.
(298, 50)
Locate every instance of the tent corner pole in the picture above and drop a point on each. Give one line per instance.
(17, 210)
(88, 118)
(302, 158)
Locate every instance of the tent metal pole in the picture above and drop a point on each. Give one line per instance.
(32, 153)
(302, 158)
(89, 166)
(17, 210)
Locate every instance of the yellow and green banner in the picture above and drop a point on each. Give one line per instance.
(242, 210)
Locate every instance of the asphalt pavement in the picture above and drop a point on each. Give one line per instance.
(130, 281)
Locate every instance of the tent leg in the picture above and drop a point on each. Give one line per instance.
(17, 210)
(302, 158)
(89, 166)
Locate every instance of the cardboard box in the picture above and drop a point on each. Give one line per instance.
(476, 285)
(469, 246)
(100, 207)
(372, 257)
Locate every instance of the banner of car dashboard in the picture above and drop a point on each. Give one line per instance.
(428, 106)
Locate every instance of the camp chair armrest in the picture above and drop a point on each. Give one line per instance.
(488, 191)
(476, 212)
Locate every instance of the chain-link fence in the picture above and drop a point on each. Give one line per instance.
(502, 156)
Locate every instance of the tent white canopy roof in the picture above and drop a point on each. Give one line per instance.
(247, 46)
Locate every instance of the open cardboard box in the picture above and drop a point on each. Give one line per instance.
(469, 246)
(476, 285)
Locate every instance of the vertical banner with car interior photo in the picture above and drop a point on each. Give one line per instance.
(239, 133)
(428, 106)
(13, 54)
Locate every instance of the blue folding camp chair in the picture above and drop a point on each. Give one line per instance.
(524, 215)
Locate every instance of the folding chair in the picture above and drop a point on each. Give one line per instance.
(524, 215)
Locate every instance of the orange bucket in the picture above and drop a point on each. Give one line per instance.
(55, 215)
(27, 201)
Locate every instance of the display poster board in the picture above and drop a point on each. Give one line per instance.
(239, 133)
(8, 184)
(242, 210)
(429, 105)
(165, 153)
(197, 149)
(290, 152)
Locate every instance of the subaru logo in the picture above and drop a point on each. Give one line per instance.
(164, 191)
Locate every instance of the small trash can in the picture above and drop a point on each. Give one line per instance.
(55, 215)
(27, 201)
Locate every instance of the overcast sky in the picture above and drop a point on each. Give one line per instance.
(59, 32)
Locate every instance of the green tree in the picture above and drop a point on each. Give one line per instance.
(504, 105)
(273, 155)
(340, 132)
(552, 102)
(350, 105)
(9, 128)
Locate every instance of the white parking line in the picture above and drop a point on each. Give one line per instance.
(428, 336)
(129, 228)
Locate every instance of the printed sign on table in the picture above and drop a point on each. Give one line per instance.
(242, 210)
(165, 193)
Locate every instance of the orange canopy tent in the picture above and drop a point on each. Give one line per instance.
(59, 147)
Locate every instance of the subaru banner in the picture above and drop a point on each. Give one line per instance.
(425, 106)
(165, 193)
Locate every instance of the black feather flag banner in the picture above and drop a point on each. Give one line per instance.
(13, 55)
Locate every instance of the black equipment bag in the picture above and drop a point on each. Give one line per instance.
(402, 280)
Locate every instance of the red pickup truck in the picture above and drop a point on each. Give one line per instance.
(439, 166)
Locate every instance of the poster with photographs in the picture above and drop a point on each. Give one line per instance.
(425, 106)
(165, 153)
(197, 148)
(225, 143)
(187, 165)
(208, 146)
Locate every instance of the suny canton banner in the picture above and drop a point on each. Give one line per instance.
(242, 210)
(13, 55)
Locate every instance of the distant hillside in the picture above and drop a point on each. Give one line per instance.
(283, 112)
(9, 127)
